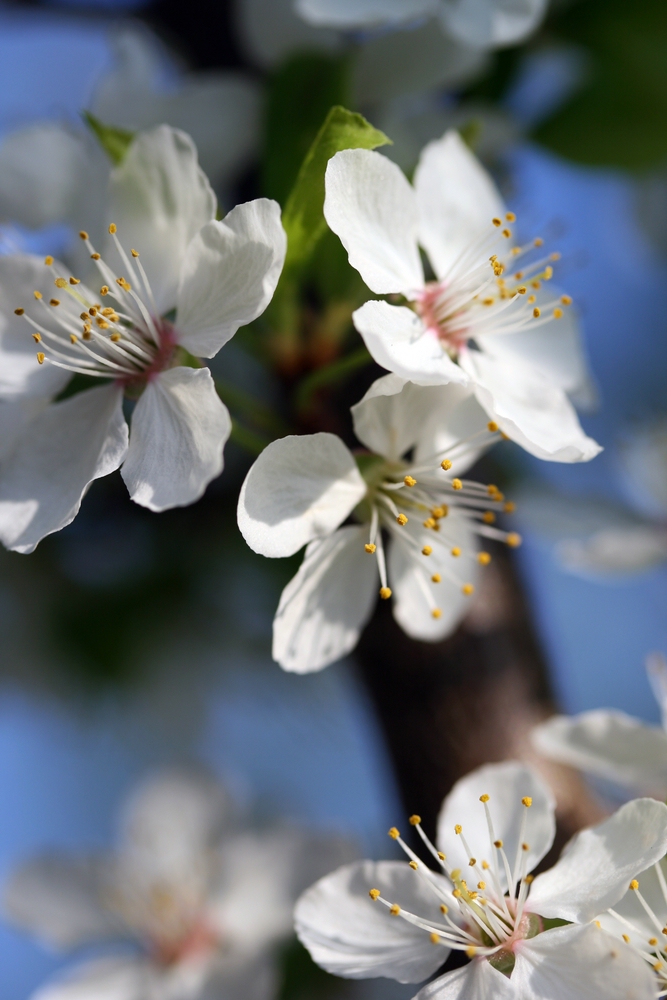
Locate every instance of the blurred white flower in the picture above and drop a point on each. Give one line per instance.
(180, 283)
(495, 826)
(500, 331)
(612, 744)
(203, 903)
(478, 23)
(302, 488)
(52, 172)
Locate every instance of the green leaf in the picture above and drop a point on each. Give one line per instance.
(619, 116)
(303, 217)
(299, 96)
(114, 141)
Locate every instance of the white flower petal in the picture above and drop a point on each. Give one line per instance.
(610, 744)
(415, 596)
(491, 23)
(350, 935)
(229, 275)
(270, 31)
(457, 200)
(615, 551)
(506, 784)
(475, 981)
(580, 963)
(362, 13)
(456, 417)
(397, 339)
(300, 488)
(62, 451)
(20, 372)
(179, 430)
(169, 824)
(324, 607)
(59, 899)
(528, 408)
(596, 867)
(159, 200)
(372, 208)
(633, 911)
(104, 979)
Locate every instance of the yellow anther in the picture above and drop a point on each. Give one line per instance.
(527, 801)
(548, 272)
(652, 941)
(509, 507)
(485, 865)
(40, 358)
(488, 517)
(95, 256)
(664, 930)
(467, 589)
(413, 865)
(113, 228)
(124, 284)
(73, 338)
(566, 300)
(597, 923)
(54, 302)
(492, 426)
(472, 862)
(374, 894)
(444, 909)
(483, 558)
(484, 798)
(536, 312)
(626, 939)
(429, 522)
(507, 233)
(135, 253)
(37, 337)
(86, 333)
(393, 833)
(426, 551)
(513, 540)
(457, 484)
(102, 323)
(531, 299)
(19, 312)
(385, 593)
(443, 857)
(93, 311)
(436, 613)
(457, 894)
(114, 317)
(370, 548)
(395, 910)
(528, 879)
(104, 290)
(439, 512)
(415, 820)
(492, 489)
(38, 295)
(525, 847)
(634, 884)
(434, 937)
(488, 302)
(446, 464)
(558, 313)
(83, 234)
(107, 311)
(74, 281)
(115, 337)
(409, 481)
(436, 578)
(458, 828)
(518, 276)
(481, 886)
(497, 222)
(471, 951)
(473, 895)
(498, 844)
(48, 260)
(456, 551)
(510, 216)
(59, 283)
(401, 519)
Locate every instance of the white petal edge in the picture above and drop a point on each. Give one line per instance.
(362, 13)
(324, 607)
(229, 274)
(103, 979)
(488, 24)
(596, 867)
(179, 430)
(301, 487)
(349, 935)
(475, 981)
(63, 449)
(372, 208)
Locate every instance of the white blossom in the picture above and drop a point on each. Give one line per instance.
(402, 920)
(203, 901)
(612, 744)
(303, 488)
(173, 283)
(478, 23)
(489, 320)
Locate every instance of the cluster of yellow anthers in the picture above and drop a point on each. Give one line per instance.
(489, 919)
(83, 336)
(537, 272)
(656, 952)
(399, 494)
